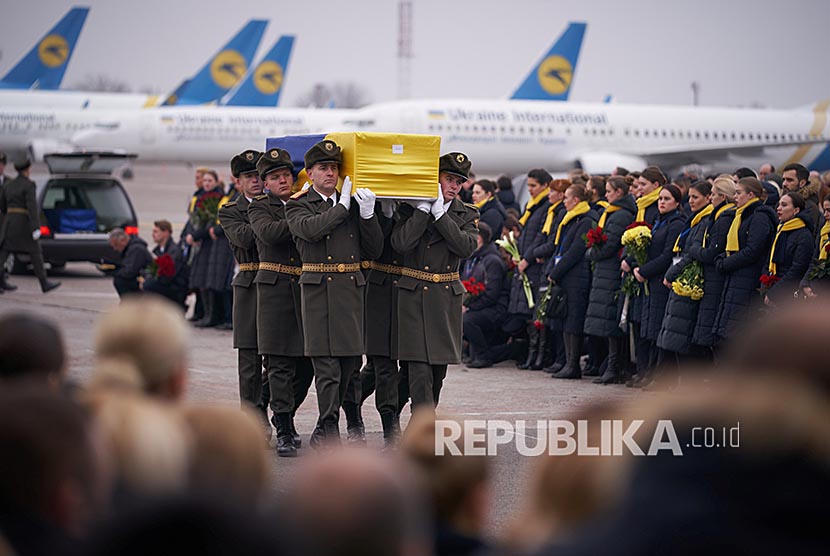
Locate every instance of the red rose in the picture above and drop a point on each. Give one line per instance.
(636, 224)
(166, 266)
(538, 324)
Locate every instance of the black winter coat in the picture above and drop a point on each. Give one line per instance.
(508, 200)
(531, 234)
(681, 312)
(134, 259)
(743, 269)
(221, 263)
(601, 318)
(492, 214)
(663, 235)
(488, 268)
(636, 304)
(715, 238)
(573, 271)
(793, 254)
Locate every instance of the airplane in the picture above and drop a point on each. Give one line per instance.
(225, 69)
(263, 84)
(500, 137)
(44, 65)
(552, 76)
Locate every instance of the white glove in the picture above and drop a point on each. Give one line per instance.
(346, 193)
(437, 208)
(306, 186)
(387, 207)
(423, 206)
(366, 202)
(36, 234)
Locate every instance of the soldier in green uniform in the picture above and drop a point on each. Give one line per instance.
(433, 238)
(233, 217)
(21, 225)
(333, 236)
(279, 316)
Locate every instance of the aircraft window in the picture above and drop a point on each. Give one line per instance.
(706, 135)
(594, 131)
(611, 132)
(645, 133)
(626, 132)
(475, 128)
(664, 133)
(585, 131)
(733, 135)
(602, 131)
(493, 128)
(512, 129)
(751, 136)
(636, 133)
(791, 136)
(467, 128)
(502, 129)
(568, 130)
(743, 136)
(672, 134)
(521, 130)
(775, 137)
(550, 131)
(697, 135)
(656, 134)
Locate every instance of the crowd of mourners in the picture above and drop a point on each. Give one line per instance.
(713, 252)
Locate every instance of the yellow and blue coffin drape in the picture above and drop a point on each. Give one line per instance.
(392, 165)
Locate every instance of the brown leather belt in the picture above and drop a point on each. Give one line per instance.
(16, 210)
(247, 267)
(281, 268)
(340, 267)
(430, 277)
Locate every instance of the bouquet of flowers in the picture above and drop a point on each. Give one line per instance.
(821, 270)
(690, 282)
(162, 267)
(509, 245)
(206, 209)
(636, 239)
(542, 309)
(594, 238)
(474, 289)
(768, 281)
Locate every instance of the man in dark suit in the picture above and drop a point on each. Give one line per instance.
(173, 287)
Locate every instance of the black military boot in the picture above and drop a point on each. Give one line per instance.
(391, 431)
(285, 443)
(573, 347)
(209, 302)
(532, 347)
(356, 432)
(295, 436)
(558, 348)
(318, 436)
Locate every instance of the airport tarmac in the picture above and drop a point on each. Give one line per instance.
(501, 392)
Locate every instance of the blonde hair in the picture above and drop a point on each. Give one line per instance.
(140, 346)
(228, 453)
(725, 185)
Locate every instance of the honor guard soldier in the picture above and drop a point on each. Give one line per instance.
(433, 238)
(233, 217)
(279, 313)
(21, 225)
(333, 236)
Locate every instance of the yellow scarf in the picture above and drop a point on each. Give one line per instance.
(550, 218)
(608, 210)
(790, 225)
(721, 210)
(732, 243)
(532, 203)
(646, 201)
(482, 203)
(603, 204)
(824, 237)
(695, 221)
(581, 208)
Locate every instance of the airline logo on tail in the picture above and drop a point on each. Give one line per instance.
(268, 77)
(551, 78)
(53, 50)
(227, 68)
(555, 74)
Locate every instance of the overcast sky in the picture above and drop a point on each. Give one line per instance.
(642, 51)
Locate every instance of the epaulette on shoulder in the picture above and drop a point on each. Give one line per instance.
(261, 197)
(229, 204)
(471, 206)
(299, 194)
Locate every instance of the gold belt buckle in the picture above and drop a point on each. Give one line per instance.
(341, 267)
(436, 278)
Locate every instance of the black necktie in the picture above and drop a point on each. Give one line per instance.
(330, 201)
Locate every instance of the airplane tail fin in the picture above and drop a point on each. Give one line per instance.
(263, 84)
(551, 77)
(173, 97)
(44, 65)
(225, 69)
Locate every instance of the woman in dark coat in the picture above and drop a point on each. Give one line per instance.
(714, 243)
(570, 270)
(747, 249)
(675, 338)
(199, 270)
(667, 228)
(532, 221)
(792, 249)
(220, 270)
(489, 207)
(819, 287)
(551, 335)
(601, 317)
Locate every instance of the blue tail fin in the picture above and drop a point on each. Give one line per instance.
(224, 70)
(43, 67)
(263, 84)
(173, 97)
(551, 78)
